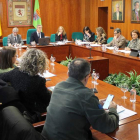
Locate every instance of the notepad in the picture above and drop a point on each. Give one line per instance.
(95, 45)
(110, 48)
(47, 74)
(124, 51)
(125, 113)
(51, 88)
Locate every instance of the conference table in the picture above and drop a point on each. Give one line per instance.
(118, 62)
(128, 127)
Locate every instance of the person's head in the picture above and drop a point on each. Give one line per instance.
(34, 61)
(15, 31)
(7, 57)
(100, 31)
(117, 7)
(117, 32)
(39, 28)
(136, 4)
(80, 69)
(135, 34)
(86, 30)
(61, 30)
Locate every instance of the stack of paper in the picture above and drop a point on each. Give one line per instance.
(51, 88)
(47, 74)
(124, 113)
(94, 45)
(110, 48)
(124, 51)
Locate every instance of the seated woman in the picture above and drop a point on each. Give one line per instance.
(101, 36)
(32, 87)
(88, 35)
(135, 42)
(7, 59)
(61, 34)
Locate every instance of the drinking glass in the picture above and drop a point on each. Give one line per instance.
(124, 88)
(20, 46)
(96, 76)
(52, 59)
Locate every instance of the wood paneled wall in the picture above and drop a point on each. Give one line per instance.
(73, 15)
(126, 27)
(70, 14)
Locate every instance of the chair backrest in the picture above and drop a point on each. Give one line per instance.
(52, 38)
(15, 126)
(4, 41)
(77, 35)
(128, 43)
(109, 39)
(29, 32)
(95, 37)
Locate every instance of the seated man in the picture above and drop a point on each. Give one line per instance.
(37, 34)
(118, 39)
(14, 38)
(74, 108)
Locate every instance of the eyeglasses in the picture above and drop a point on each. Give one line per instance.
(115, 33)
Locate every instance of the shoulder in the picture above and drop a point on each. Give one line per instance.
(42, 33)
(103, 35)
(9, 35)
(122, 37)
(19, 35)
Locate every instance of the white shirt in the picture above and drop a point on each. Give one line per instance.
(38, 34)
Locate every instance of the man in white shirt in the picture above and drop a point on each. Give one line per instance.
(14, 38)
(37, 34)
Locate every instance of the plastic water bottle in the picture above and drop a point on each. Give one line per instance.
(93, 73)
(133, 94)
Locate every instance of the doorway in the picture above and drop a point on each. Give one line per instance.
(103, 18)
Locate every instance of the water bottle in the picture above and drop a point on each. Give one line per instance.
(133, 94)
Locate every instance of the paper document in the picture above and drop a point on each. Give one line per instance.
(23, 46)
(95, 45)
(125, 113)
(60, 43)
(139, 131)
(51, 88)
(47, 74)
(124, 51)
(110, 48)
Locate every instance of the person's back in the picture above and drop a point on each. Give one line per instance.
(72, 109)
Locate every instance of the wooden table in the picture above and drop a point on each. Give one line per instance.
(103, 90)
(128, 131)
(100, 64)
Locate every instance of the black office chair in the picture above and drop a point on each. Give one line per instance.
(16, 127)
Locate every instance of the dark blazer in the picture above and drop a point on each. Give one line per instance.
(91, 39)
(34, 37)
(115, 15)
(57, 38)
(33, 92)
(134, 15)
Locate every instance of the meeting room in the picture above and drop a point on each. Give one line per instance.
(69, 69)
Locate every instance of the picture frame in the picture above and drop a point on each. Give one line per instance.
(135, 11)
(118, 11)
(19, 13)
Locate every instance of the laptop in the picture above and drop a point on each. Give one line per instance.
(44, 41)
(134, 53)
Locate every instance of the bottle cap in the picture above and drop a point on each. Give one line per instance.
(51, 54)
(93, 69)
(133, 85)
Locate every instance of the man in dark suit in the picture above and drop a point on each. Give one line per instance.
(37, 34)
(136, 12)
(117, 15)
(14, 38)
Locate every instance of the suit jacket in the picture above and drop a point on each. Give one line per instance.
(73, 109)
(57, 38)
(134, 44)
(34, 37)
(11, 39)
(134, 15)
(120, 42)
(115, 15)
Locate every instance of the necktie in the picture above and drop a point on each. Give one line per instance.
(15, 39)
(137, 15)
(39, 35)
